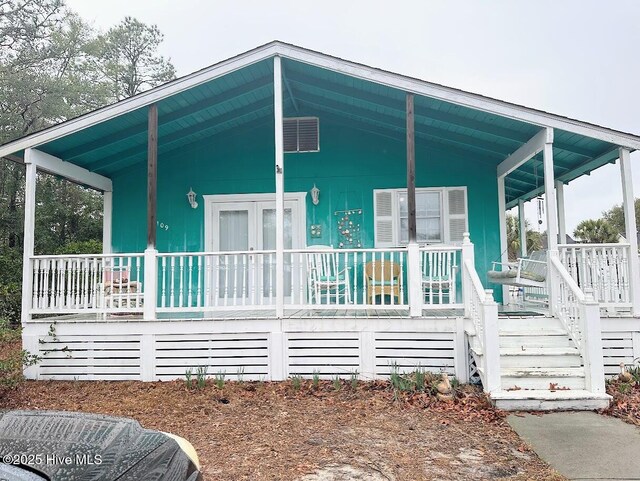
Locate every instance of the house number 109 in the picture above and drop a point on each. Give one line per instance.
(162, 225)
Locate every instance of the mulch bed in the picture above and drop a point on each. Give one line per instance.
(626, 401)
(271, 431)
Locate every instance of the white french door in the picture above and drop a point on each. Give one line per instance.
(242, 224)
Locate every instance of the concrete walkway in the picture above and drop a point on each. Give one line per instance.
(583, 445)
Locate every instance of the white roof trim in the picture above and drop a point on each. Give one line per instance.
(419, 87)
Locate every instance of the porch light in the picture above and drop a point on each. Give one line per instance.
(315, 195)
(191, 196)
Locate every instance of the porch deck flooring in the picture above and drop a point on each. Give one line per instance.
(381, 313)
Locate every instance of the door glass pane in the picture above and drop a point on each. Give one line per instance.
(269, 243)
(233, 276)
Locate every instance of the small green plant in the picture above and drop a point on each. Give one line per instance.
(315, 380)
(400, 382)
(219, 379)
(635, 371)
(624, 387)
(188, 378)
(240, 375)
(201, 377)
(354, 380)
(296, 382)
(337, 383)
(419, 377)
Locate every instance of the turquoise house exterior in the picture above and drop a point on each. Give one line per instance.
(285, 212)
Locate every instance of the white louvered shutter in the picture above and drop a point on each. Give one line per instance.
(290, 134)
(458, 224)
(383, 224)
(308, 135)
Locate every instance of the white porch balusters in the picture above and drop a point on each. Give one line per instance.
(628, 205)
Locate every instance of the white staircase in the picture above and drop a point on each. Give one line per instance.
(540, 367)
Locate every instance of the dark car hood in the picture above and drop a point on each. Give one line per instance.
(76, 446)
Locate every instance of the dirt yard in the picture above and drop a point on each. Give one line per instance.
(626, 400)
(275, 431)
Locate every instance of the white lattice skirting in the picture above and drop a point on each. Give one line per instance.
(250, 350)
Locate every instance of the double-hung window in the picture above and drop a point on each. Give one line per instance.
(441, 216)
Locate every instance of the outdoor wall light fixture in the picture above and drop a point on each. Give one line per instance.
(191, 196)
(315, 195)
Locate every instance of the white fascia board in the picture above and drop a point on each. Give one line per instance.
(54, 165)
(141, 100)
(458, 97)
(526, 151)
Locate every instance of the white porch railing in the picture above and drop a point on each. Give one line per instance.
(580, 315)
(193, 281)
(348, 279)
(75, 283)
(440, 267)
(482, 310)
(602, 269)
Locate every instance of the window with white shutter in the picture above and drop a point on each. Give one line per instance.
(441, 216)
(301, 134)
(458, 223)
(383, 207)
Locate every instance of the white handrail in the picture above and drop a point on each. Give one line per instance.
(580, 315)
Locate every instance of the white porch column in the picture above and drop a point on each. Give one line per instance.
(562, 223)
(523, 229)
(29, 234)
(502, 216)
(279, 170)
(631, 229)
(552, 221)
(107, 199)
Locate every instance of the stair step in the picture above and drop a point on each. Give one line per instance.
(539, 358)
(545, 400)
(559, 340)
(531, 332)
(542, 377)
(539, 323)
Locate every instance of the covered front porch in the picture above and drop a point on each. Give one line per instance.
(284, 201)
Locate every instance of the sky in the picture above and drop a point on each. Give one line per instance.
(577, 58)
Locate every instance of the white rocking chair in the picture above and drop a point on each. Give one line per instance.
(526, 272)
(326, 282)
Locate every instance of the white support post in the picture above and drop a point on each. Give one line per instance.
(552, 222)
(150, 286)
(148, 357)
(414, 278)
(107, 199)
(461, 359)
(504, 250)
(523, 229)
(31, 344)
(592, 339)
(367, 355)
(29, 234)
(467, 286)
(562, 223)
(491, 344)
(279, 171)
(277, 356)
(631, 229)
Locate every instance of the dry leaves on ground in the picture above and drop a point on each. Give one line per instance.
(271, 431)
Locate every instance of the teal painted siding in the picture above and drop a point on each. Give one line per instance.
(350, 164)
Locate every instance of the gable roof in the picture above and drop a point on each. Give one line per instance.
(238, 91)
